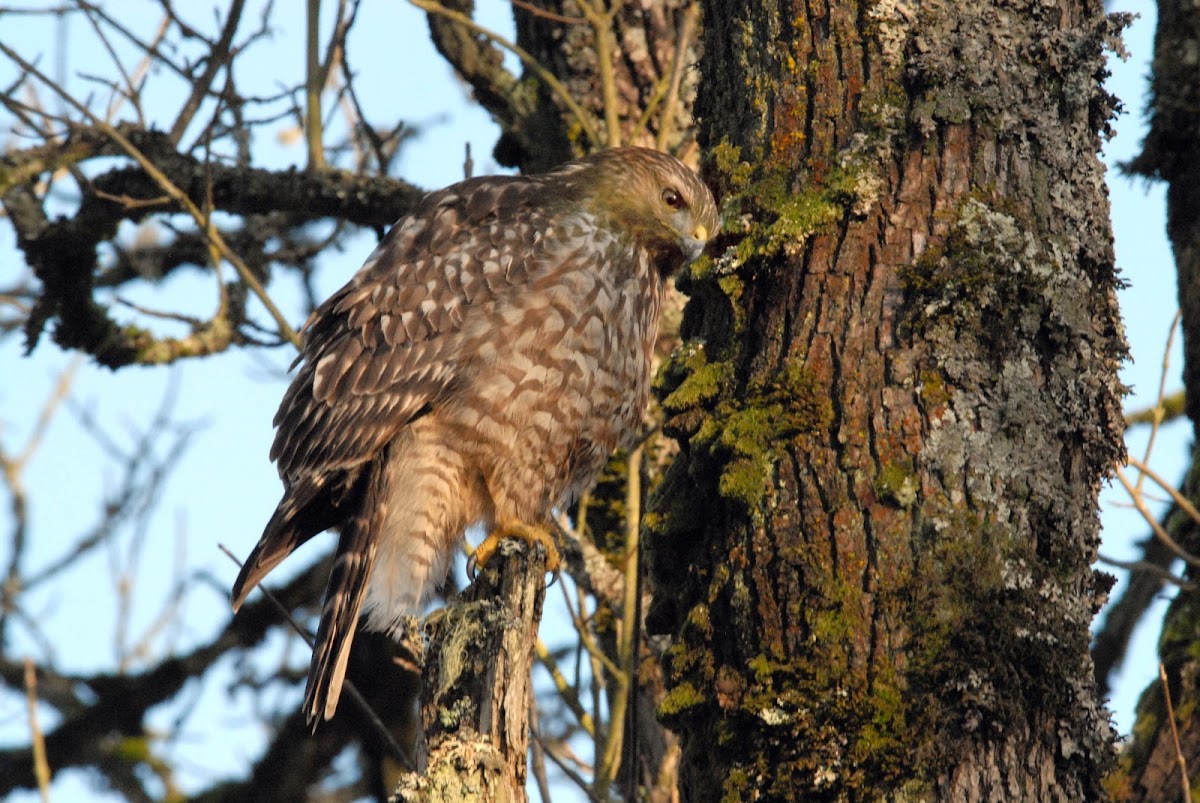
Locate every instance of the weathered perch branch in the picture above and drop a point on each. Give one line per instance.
(475, 703)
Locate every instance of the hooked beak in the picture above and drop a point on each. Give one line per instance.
(693, 246)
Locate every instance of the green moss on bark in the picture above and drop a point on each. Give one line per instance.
(898, 483)
(744, 433)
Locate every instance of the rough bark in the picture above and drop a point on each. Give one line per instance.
(896, 403)
(1150, 762)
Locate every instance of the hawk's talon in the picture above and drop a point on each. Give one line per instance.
(529, 534)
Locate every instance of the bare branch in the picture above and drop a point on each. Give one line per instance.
(217, 58)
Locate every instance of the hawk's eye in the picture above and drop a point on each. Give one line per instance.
(673, 199)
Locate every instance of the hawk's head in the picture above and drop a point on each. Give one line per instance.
(654, 197)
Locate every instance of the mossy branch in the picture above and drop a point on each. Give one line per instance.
(477, 684)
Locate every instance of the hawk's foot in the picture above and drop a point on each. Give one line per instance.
(525, 532)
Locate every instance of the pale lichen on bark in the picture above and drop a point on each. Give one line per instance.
(1018, 302)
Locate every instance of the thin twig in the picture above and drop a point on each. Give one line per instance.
(337, 41)
(139, 76)
(1185, 784)
(537, 754)
(683, 40)
(1159, 530)
(11, 469)
(112, 54)
(634, 769)
(548, 15)
(589, 643)
(620, 701)
(584, 646)
(565, 690)
(218, 57)
(1184, 503)
(602, 29)
(1159, 406)
(131, 203)
(650, 107)
(568, 770)
(160, 314)
(62, 389)
(41, 768)
(150, 49)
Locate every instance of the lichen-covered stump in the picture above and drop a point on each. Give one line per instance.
(475, 702)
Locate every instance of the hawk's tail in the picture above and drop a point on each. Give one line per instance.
(343, 599)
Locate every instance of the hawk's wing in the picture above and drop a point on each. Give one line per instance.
(384, 346)
(389, 344)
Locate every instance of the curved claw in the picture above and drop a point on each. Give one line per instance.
(482, 555)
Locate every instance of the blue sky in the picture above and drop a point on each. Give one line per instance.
(225, 488)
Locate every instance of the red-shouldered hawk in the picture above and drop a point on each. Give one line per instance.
(480, 367)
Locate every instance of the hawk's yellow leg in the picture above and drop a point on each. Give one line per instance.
(525, 532)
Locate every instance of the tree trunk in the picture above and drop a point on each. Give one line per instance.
(896, 401)
(1150, 765)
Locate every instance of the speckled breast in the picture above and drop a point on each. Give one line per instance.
(563, 380)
